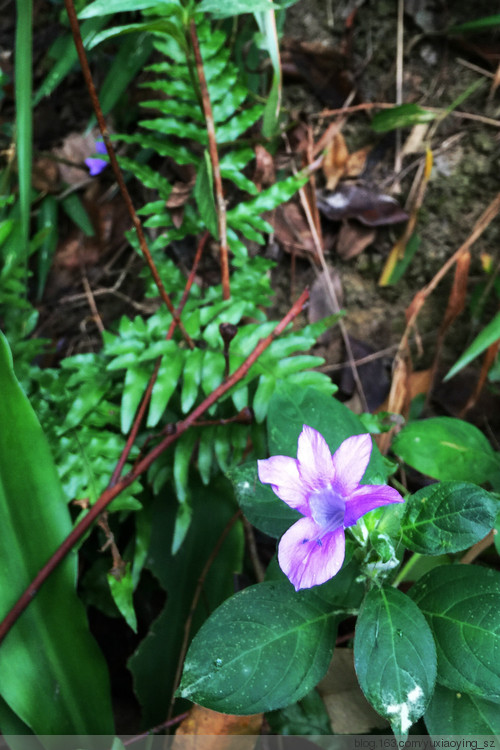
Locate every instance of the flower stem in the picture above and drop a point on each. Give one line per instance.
(414, 559)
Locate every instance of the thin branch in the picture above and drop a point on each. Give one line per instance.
(199, 588)
(214, 159)
(152, 380)
(75, 28)
(143, 465)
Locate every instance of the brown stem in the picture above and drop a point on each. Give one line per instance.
(143, 465)
(75, 28)
(147, 393)
(194, 603)
(214, 159)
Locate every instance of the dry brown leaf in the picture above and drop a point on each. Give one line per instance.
(347, 707)
(335, 161)
(213, 726)
(292, 231)
(75, 148)
(45, 175)
(265, 173)
(357, 161)
(353, 239)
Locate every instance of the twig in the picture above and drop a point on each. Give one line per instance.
(156, 730)
(367, 106)
(149, 389)
(194, 603)
(318, 246)
(214, 159)
(110, 493)
(75, 28)
(413, 311)
(477, 548)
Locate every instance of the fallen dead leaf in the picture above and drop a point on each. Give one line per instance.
(292, 231)
(353, 238)
(335, 161)
(347, 707)
(367, 206)
(212, 726)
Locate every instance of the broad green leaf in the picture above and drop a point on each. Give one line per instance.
(160, 24)
(401, 116)
(155, 662)
(230, 8)
(452, 712)
(461, 605)
(65, 55)
(122, 590)
(447, 517)
(293, 406)
(446, 448)
(128, 61)
(53, 675)
(258, 502)
(241, 661)
(488, 336)
(108, 7)
(395, 657)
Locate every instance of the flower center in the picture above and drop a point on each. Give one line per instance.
(327, 509)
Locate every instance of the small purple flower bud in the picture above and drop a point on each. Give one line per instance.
(95, 165)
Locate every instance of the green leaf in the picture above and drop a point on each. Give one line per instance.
(161, 25)
(47, 220)
(461, 605)
(108, 7)
(155, 663)
(65, 55)
(53, 675)
(447, 448)
(308, 716)
(479, 24)
(293, 406)
(447, 517)
(258, 502)
(122, 590)
(240, 661)
(401, 116)
(136, 381)
(488, 336)
(74, 208)
(230, 8)
(204, 195)
(191, 378)
(166, 383)
(131, 57)
(451, 712)
(395, 657)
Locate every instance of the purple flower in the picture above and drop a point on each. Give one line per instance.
(326, 490)
(97, 165)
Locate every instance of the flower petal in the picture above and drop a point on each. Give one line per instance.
(350, 461)
(100, 147)
(367, 498)
(282, 473)
(315, 459)
(306, 560)
(95, 165)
